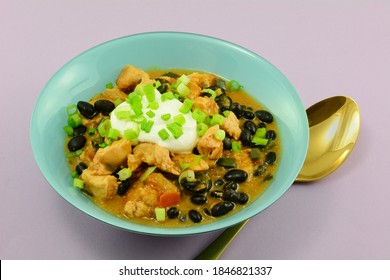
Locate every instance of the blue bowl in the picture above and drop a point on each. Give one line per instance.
(85, 75)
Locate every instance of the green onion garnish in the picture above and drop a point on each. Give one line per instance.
(123, 113)
(117, 101)
(165, 117)
(146, 174)
(78, 183)
(160, 214)
(217, 119)
(233, 85)
(74, 154)
(138, 119)
(180, 119)
(183, 90)
(68, 130)
(104, 127)
(109, 85)
(220, 134)
(201, 129)
(124, 174)
(150, 114)
(167, 96)
(186, 107)
(74, 120)
(153, 105)
(131, 134)
(147, 126)
(164, 135)
(71, 109)
(259, 141)
(91, 131)
(226, 113)
(175, 129)
(113, 133)
(236, 146)
(211, 92)
(199, 115)
(149, 92)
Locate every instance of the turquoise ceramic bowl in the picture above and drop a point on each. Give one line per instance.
(85, 75)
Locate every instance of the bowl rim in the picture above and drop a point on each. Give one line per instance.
(149, 229)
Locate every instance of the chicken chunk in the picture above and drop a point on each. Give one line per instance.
(198, 81)
(207, 105)
(232, 126)
(194, 162)
(101, 186)
(130, 77)
(114, 155)
(154, 154)
(144, 197)
(209, 146)
(244, 162)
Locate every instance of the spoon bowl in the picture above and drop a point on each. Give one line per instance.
(334, 125)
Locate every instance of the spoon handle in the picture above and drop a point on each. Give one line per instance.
(218, 246)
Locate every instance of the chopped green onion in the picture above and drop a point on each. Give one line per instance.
(233, 85)
(75, 174)
(104, 127)
(71, 109)
(74, 154)
(103, 145)
(147, 126)
(183, 90)
(186, 107)
(226, 113)
(217, 119)
(220, 134)
(131, 134)
(139, 119)
(184, 166)
(68, 130)
(260, 132)
(175, 129)
(160, 214)
(157, 84)
(117, 101)
(146, 174)
(183, 79)
(123, 113)
(180, 119)
(164, 135)
(236, 146)
(91, 131)
(113, 133)
(153, 105)
(165, 117)
(124, 174)
(189, 175)
(135, 101)
(260, 141)
(74, 120)
(78, 183)
(150, 114)
(201, 129)
(199, 115)
(149, 92)
(210, 91)
(167, 96)
(109, 85)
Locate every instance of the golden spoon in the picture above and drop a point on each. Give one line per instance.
(334, 128)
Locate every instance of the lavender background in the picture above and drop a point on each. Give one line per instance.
(325, 48)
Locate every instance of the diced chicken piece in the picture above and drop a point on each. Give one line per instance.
(204, 80)
(88, 153)
(131, 76)
(154, 154)
(208, 145)
(207, 105)
(155, 191)
(244, 162)
(198, 81)
(133, 162)
(114, 155)
(101, 186)
(194, 162)
(232, 126)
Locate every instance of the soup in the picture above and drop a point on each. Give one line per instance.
(171, 148)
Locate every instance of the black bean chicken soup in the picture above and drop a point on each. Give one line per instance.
(171, 148)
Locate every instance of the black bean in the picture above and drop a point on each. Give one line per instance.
(260, 170)
(172, 213)
(270, 134)
(195, 216)
(163, 88)
(123, 187)
(76, 143)
(246, 137)
(236, 175)
(243, 198)
(219, 183)
(236, 108)
(80, 130)
(249, 115)
(264, 116)
(231, 185)
(86, 109)
(230, 195)
(261, 125)
(222, 208)
(270, 158)
(104, 106)
(224, 102)
(250, 126)
(227, 143)
(198, 199)
(80, 168)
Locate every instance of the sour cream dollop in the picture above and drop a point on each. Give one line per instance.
(182, 145)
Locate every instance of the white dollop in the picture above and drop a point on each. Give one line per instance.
(182, 145)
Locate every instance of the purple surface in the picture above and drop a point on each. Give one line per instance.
(325, 49)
